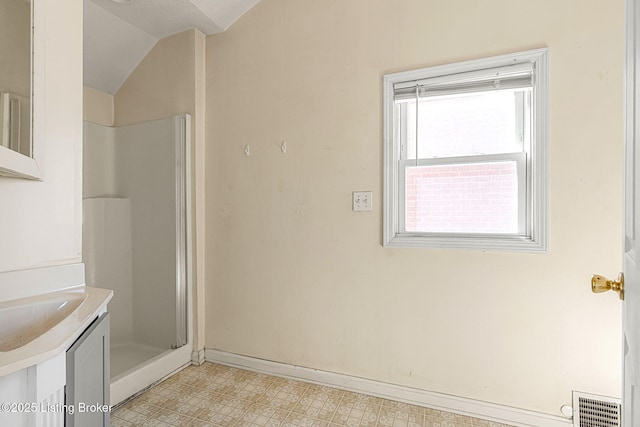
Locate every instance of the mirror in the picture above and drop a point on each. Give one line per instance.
(17, 154)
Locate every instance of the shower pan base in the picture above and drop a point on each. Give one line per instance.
(127, 356)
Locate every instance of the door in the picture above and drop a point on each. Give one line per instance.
(87, 389)
(631, 262)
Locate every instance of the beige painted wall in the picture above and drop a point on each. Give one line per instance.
(170, 81)
(295, 276)
(97, 107)
(162, 85)
(41, 221)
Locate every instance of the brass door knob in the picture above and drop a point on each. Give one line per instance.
(602, 284)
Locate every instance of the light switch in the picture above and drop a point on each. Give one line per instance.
(362, 201)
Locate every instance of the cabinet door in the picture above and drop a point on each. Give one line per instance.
(88, 376)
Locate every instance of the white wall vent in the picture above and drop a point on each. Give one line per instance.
(590, 410)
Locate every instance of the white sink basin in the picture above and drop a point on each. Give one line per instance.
(23, 320)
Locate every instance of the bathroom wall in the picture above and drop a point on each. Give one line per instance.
(97, 107)
(294, 276)
(41, 221)
(98, 159)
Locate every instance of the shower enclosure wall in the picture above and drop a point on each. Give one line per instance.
(135, 242)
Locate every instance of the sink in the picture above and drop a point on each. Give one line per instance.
(23, 320)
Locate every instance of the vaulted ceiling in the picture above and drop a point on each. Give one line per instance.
(119, 33)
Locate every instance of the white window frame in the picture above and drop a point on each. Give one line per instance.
(533, 234)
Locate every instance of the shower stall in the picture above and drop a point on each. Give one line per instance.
(135, 241)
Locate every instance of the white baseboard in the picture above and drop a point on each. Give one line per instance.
(439, 401)
(197, 357)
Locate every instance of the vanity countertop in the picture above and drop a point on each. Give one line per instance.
(60, 337)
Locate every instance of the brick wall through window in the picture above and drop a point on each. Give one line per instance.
(458, 198)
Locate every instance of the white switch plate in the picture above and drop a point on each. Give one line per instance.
(362, 201)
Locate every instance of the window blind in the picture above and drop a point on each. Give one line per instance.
(499, 78)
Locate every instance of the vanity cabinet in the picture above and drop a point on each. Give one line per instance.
(87, 382)
(70, 388)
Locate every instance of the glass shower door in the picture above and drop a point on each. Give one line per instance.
(135, 234)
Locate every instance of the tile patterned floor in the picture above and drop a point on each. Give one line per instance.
(213, 395)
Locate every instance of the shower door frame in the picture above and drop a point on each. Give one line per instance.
(183, 234)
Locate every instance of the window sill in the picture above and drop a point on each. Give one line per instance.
(468, 242)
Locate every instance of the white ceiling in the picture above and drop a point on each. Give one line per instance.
(118, 36)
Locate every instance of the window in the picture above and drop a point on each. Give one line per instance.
(466, 154)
